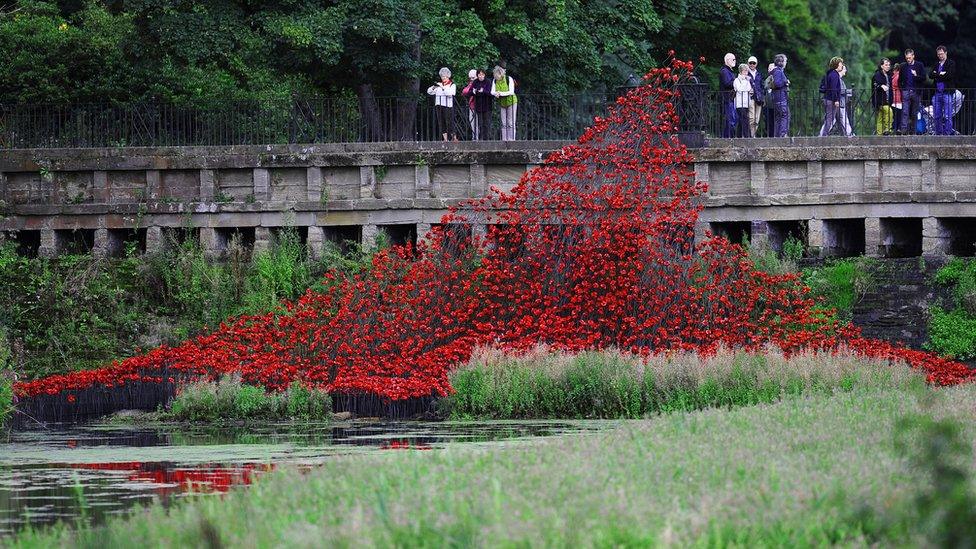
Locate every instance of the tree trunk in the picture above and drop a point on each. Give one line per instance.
(372, 128)
(407, 105)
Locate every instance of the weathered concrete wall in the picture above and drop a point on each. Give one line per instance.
(889, 191)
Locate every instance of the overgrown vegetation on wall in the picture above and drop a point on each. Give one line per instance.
(77, 311)
(952, 331)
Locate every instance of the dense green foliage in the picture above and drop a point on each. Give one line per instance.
(230, 400)
(952, 332)
(204, 50)
(612, 385)
(78, 311)
(809, 472)
(208, 51)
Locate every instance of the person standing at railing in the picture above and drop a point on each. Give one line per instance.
(832, 95)
(896, 103)
(881, 97)
(846, 104)
(503, 87)
(768, 89)
(726, 81)
(944, 76)
(444, 92)
(781, 92)
(466, 92)
(743, 101)
(756, 103)
(481, 97)
(912, 78)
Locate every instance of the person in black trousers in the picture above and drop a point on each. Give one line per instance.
(911, 79)
(943, 103)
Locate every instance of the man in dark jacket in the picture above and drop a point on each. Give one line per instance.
(944, 76)
(726, 79)
(756, 102)
(832, 91)
(912, 77)
(780, 86)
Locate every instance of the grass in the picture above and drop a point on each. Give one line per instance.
(230, 400)
(819, 470)
(611, 384)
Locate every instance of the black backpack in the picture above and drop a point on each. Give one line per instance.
(823, 85)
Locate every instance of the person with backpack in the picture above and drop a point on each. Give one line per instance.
(726, 83)
(830, 86)
(943, 108)
(881, 92)
(912, 77)
(503, 88)
(780, 96)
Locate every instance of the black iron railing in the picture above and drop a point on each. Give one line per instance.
(354, 120)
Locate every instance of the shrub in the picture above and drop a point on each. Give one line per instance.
(230, 400)
(616, 385)
(841, 283)
(952, 332)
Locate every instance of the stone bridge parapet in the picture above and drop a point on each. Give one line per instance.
(897, 196)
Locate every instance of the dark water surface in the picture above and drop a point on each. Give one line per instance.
(90, 472)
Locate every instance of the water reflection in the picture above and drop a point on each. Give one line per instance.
(94, 471)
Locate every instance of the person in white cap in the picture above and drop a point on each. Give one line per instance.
(468, 92)
(756, 102)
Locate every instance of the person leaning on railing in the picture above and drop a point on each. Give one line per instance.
(881, 97)
(503, 87)
(943, 107)
(444, 92)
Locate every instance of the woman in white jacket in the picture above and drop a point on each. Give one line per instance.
(503, 87)
(444, 92)
(743, 97)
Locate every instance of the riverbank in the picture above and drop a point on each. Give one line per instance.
(777, 474)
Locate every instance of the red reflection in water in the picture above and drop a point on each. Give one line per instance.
(404, 445)
(204, 478)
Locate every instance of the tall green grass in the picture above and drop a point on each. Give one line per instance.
(611, 384)
(230, 400)
(815, 471)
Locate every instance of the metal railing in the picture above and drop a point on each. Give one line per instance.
(297, 120)
(354, 120)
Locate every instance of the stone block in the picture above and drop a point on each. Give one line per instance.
(729, 178)
(288, 185)
(209, 242)
(450, 181)
(315, 242)
(369, 235)
(262, 239)
(179, 185)
(872, 237)
(479, 180)
(935, 240)
(503, 177)
(234, 185)
(155, 240)
(261, 178)
(815, 236)
(956, 175)
(313, 185)
(786, 177)
(843, 176)
(102, 247)
(153, 185)
(901, 175)
(207, 185)
(757, 179)
(422, 185)
(367, 182)
(49, 243)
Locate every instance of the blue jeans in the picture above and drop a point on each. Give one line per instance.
(942, 110)
(910, 103)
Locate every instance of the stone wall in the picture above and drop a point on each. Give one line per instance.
(879, 196)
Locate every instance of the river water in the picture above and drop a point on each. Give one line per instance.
(90, 472)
